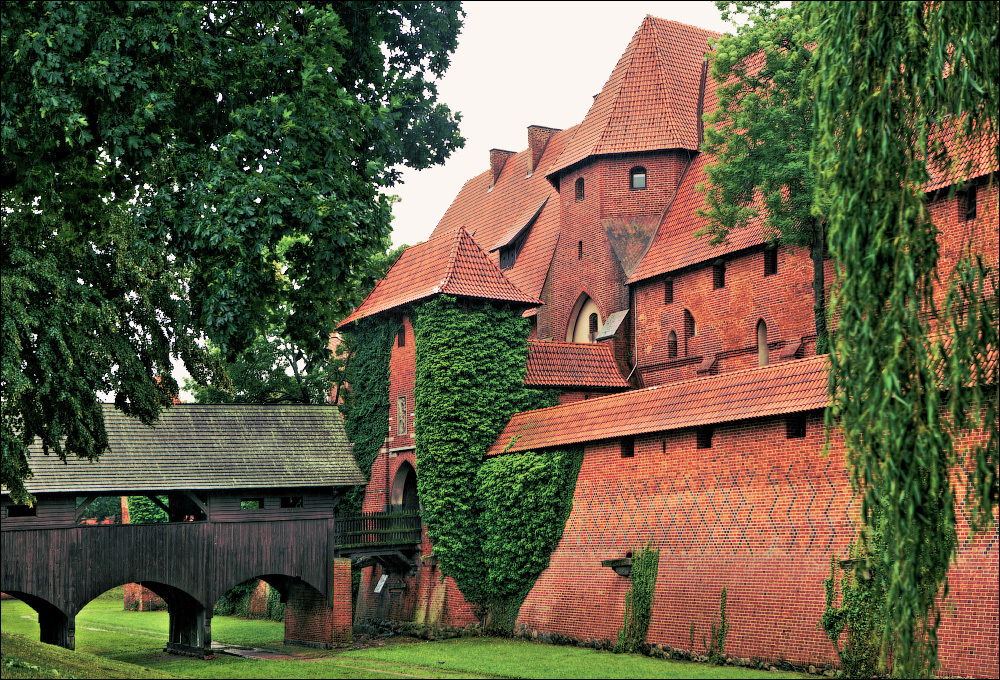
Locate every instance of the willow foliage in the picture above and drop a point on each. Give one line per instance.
(882, 107)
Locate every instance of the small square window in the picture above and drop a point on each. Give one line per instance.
(704, 436)
(251, 504)
(22, 510)
(668, 291)
(628, 447)
(770, 262)
(795, 426)
(637, 178)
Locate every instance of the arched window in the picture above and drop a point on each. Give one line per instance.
(401, 337)
(579, 189)
(585, 321)
(668, 291)
(579, 250)
(761, 343)
(672, 345)
(637, 178)
(689, 329)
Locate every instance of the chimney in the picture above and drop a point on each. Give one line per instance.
(538, 138)
(498, 157)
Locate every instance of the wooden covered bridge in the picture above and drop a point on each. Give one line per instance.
(250, 491)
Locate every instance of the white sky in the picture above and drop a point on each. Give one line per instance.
(520, 64)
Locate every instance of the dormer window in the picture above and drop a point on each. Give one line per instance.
(637, 178)
(509, 253)
(579, 189)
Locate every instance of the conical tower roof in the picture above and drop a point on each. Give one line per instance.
(651, 101)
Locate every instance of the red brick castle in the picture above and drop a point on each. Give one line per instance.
(687, 372)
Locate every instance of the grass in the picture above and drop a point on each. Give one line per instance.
(112, 643)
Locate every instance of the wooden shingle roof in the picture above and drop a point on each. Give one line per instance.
(208, 446)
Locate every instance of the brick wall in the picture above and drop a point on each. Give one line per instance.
(311, 620)
(726, 318)
(757, 513)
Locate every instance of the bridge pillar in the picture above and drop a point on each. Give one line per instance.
(317, 621)
(190, 630)
(56, 628)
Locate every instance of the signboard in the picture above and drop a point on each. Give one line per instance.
(381, 583)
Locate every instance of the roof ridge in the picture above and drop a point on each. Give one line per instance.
(449, 269)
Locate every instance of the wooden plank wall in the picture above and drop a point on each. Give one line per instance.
(51, 511)
(69, 567)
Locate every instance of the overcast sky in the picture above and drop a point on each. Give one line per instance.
(520, 64)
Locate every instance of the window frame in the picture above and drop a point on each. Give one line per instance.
(579, 190)
(638, 171)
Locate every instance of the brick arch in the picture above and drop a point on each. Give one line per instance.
(583, 296)
(174, 594)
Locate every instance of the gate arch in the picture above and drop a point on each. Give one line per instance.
(404, 488)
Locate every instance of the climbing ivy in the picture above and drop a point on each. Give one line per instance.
(861, 611)
(471, 359)
(639, 600)
(367, 418)
(526, 499)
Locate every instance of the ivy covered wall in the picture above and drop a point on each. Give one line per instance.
(367, 419)
(471, 359)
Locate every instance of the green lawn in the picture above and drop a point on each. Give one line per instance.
(116, 643)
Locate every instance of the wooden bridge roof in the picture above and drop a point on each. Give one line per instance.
(208, 446)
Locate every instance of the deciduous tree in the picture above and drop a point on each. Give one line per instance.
(760, 136)
(156, 154)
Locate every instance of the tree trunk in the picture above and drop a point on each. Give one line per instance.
(818, 251)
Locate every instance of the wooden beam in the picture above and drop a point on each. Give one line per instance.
(83, 506)
(197, 501)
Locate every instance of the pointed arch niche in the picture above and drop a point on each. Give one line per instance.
(404, 488)
(585, 321)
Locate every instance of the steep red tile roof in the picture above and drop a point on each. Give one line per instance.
(788, 387)
(650, 102)
(970, 159)
(572, 364)
(452, 264)
(490, 215)
(676, 246)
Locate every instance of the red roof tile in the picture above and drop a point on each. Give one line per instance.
(452, 264)
(970, 159)
(650, 102)
(788, 387)
(572, 364)
(491, 214)
(676, 246)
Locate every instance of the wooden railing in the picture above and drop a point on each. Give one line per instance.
(378, 530)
